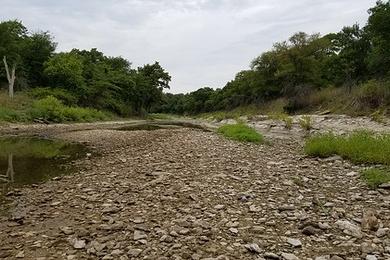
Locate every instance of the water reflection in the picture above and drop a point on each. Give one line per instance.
(33, 160)
(9, 175)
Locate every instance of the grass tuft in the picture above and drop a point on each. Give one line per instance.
(288, 122)
(306, 122)
(359, 147)
(375, 177)
(241, 132)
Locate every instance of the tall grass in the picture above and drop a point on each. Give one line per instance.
(11, 115)
(241, 132)
(359, 147)
(375, 177)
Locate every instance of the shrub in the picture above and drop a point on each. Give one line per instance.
(60, 94)
(79, 114)
(373, 94)
(51, 109)
(306, 122)
(241, 132)
(359, 147)
(375, 177)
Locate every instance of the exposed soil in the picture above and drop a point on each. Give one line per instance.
(190, 194)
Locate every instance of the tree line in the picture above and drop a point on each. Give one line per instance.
(78, 77)
(355, 57)
(303, 64)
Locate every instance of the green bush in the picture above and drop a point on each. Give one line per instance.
(52, 110)
(241, 132)
(373, 94)
(375, 177)
(60, 94)
(359, 147)
(49, 108)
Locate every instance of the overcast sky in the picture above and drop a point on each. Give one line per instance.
(200, 42)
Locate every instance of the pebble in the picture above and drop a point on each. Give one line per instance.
(135, 252)
(254, 248)
(219, 207)
(20, 254)
(294, 242)
(78, 244)
(233, 230)
(288, 256)
(138, 235)
(349, 228)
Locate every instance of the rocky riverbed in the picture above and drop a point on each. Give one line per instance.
(189, 194)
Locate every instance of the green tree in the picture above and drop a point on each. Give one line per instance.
(37, 49)
(12, 36)
(65, 70)
(151, 81)
(378, 29)
(346, 64)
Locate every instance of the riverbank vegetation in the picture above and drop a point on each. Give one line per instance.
(241, 132)
(344, 72)
(375, 177)
(360, 147)
(80, 82)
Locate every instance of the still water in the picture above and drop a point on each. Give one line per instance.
(30, 160)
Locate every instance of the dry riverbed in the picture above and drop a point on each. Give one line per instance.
(189, 194)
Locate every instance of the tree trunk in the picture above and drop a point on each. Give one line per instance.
(10, 77)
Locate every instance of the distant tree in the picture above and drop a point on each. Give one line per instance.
(346, 64)
(151, 81)
(65, 70)
(378, 29)
(12, 36)
(37, 49)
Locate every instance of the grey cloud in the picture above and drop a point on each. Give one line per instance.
(200, 42)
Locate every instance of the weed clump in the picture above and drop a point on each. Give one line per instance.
(375, 177)
(288, 122)
(241, 132)
(306, 122)
(359, 147)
